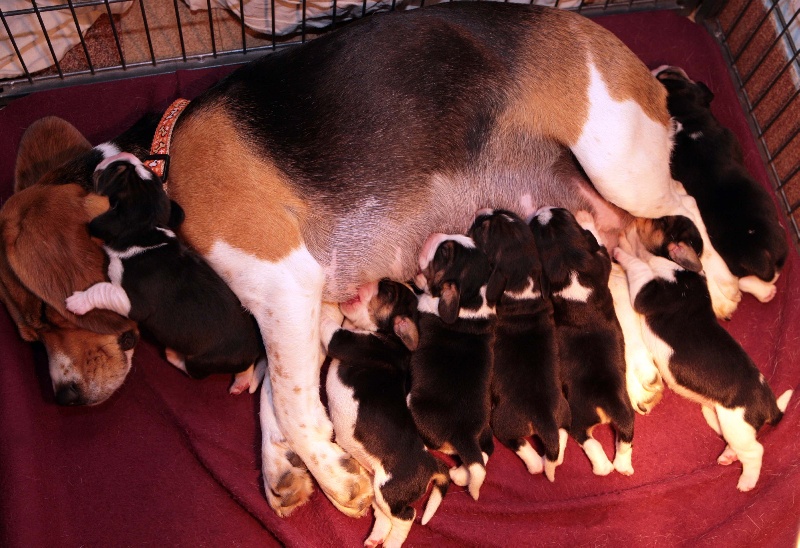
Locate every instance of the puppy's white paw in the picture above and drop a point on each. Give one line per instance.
(722, 286)
(459, 475)
(727, 457)
(747, 482)
(761, 290)
(78, 303)
(602, 468)
(623, 465)
(643, 381)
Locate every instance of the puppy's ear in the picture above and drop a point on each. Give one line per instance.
(406, 329)
(594, 245)
(449, 302)
(683, 254)
(45, 145)
(106, 226)
(176, 215)
(495, 286)
(706, 95)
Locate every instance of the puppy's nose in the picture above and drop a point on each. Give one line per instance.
(128, 339)
(68, 394)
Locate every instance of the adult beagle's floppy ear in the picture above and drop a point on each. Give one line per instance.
(406, 329)
(449, 302)
(45, 145)
(49, 251)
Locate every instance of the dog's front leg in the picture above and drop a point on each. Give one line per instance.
(285, 297)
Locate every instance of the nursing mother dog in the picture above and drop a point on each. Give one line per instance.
(331, 163)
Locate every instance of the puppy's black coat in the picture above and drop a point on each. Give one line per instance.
(590, 342)
(707, 159)
(174, 293)
(526, 384)
(452, 367)
(375, 367)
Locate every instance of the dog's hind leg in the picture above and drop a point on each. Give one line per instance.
(285, 297)
(741, 438)
(626, 154)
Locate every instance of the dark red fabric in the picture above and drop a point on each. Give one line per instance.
(174, 462)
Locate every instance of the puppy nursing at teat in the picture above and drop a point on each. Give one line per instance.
(526, 384)
(366, 386)
(451, 369)
(738, 212)
(156, 281)
(698, 358)
(590, 342)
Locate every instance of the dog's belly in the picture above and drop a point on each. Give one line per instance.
(380, 235)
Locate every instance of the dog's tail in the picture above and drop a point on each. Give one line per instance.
(441, 481)
(781, 403)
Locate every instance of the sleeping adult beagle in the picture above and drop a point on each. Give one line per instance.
(46, 254)
(332, 162)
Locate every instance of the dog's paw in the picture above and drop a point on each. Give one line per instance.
(747, 482)
(286, 480)
(727, 457)
(249, 379)
(623, 465)
(761, 290)
(344, 481)
(78, 303)
(723, 288)
(644, 383)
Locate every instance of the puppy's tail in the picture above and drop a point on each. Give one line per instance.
(441, 481)
(781, 403)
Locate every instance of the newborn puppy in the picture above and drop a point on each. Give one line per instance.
(366, 386)
(159, 283)
(698, 358)
(526, 385)
(590, 342)
(738, 212)
(451, 369)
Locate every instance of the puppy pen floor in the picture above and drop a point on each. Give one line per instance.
(171, 461)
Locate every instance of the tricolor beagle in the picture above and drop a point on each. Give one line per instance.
(332, 162)
(739, 213)
(366, 385)
(526, 384)
(451, 370)
(589, 338)
(159, 283)
(698, 358)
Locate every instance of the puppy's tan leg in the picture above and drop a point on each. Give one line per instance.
(741, 438)
(381, 528)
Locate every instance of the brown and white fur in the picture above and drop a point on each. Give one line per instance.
(42, 226)
(698, 358)
(301, 197)
(366, 387)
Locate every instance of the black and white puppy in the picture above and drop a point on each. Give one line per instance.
(159, 283)
(590, 341)
(738, 212)
(451, 369)
(367, 385)
(698, 358)
(526, 385)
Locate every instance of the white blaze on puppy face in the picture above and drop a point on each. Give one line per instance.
(575, 291)
(108, 149)
(544, 215)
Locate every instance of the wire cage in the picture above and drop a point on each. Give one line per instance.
(46, 44)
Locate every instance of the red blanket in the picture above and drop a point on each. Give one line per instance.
(174, 462)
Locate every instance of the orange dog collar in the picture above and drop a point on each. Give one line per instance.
(158, 161)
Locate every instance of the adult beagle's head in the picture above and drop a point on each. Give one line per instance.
(45, 255)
